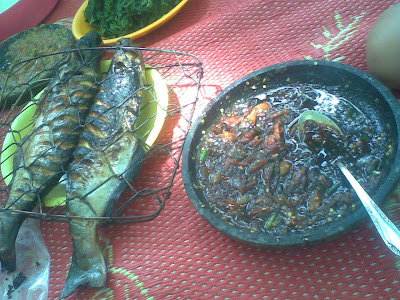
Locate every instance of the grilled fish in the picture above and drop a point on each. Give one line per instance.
(44, 154)
(108, 156)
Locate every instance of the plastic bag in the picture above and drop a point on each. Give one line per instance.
(30, 281)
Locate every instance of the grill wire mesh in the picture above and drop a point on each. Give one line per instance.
(170, 98)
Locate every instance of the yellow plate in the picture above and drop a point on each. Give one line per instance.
(150, 122)
(80, 27)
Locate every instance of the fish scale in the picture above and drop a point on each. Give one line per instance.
(44, 154)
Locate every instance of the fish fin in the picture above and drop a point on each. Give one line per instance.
(94, 276)
(136, 165)
(18, 156)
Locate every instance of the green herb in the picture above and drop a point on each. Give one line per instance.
(270, 221)
(203, 155)
(113, 18)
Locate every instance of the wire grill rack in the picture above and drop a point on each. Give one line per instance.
(170, 98)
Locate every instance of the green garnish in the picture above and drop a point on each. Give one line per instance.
(114, 18)
(270, 221)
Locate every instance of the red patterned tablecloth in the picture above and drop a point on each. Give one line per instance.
(179, 255)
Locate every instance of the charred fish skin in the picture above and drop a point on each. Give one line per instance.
(44, 154)
(108, 155)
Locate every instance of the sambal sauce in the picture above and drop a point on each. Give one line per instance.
(259, 173)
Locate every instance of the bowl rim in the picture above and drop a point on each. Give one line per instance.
(308, 236)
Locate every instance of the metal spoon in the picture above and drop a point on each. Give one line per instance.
(387, 230)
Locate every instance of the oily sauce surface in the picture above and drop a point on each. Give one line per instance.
(260, 174)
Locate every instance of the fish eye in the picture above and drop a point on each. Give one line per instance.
(119, 65)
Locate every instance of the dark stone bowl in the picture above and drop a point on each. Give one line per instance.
(368, 94)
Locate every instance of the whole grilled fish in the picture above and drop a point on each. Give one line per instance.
(44, 154)
(107, 157)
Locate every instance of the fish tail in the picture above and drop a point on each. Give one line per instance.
(9, 227)
(94, 276)
(88, 266)
(10, 223)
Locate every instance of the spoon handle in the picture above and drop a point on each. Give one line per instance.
(388, 231)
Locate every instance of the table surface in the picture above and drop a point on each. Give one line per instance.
(178, 254)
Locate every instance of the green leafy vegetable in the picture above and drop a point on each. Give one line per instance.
(113, 18)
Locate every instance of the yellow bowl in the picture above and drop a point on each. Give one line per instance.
(80, 27)
(150, 122)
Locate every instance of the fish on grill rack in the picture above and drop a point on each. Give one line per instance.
(109, 156)
(44, 153)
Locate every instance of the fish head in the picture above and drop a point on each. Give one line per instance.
(91, 39)
(127, 57)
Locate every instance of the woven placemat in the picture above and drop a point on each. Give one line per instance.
(178, 254)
